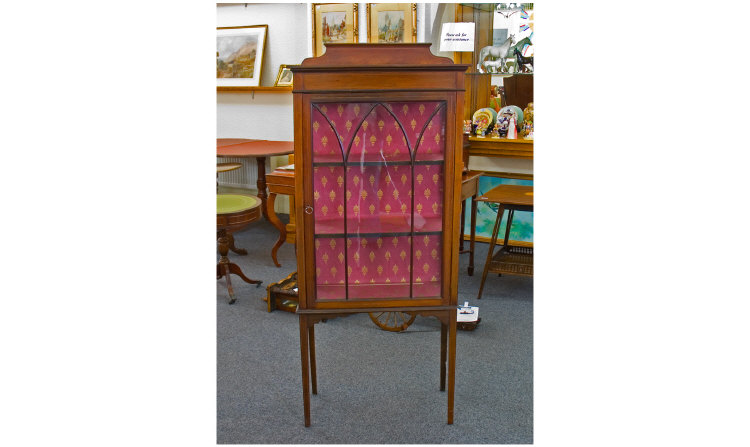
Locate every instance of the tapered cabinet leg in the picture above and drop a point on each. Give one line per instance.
(451, 363)
(443, 353)
(304, 352)
(313, 368)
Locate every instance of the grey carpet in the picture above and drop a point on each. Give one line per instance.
(374, 386)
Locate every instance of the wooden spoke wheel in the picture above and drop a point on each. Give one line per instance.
(392, 321)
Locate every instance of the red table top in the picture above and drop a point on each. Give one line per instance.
(242, 147)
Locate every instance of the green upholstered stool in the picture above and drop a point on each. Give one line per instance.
(233, 213)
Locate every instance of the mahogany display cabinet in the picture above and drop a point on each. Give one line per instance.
(377, 150)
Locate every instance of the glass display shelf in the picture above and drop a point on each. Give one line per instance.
(383, 224)
(375, 160)
(375, 291)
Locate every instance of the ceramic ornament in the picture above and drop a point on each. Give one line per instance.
(512, 134)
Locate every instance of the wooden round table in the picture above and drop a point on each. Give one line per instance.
(233, 213)
(225, 167)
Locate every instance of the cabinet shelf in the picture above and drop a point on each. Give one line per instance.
(336, 161)
(368, 235)
(501, 147)
(376, 291)
(379, 163)
(393, 224)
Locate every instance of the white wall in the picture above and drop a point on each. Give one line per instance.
(263, 115)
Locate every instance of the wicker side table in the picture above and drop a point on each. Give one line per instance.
(509, 259)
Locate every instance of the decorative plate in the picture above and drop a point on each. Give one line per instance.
(484, 119)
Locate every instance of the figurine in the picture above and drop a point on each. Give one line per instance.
(528, 121)
(521, 61)
(519, 46)
(528, 130)
(495, 132)
(505, 115)
(498, 52)
(512, 132)
(492, 66)
(495, 103)
(528, 112)
(502, 125)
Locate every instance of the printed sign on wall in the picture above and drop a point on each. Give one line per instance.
(457, 37)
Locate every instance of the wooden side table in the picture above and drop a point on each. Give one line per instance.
(469, 189)
(280, 181)
(233, 212)
(509, 259)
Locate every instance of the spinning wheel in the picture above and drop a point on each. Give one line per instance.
(392, 321)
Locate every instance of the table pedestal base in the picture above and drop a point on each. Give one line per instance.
(225, 268)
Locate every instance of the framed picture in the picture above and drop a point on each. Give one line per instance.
(391, 22)
(239, 55)
(284, 78)
(334, 23)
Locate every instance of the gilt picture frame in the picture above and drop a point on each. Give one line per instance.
(285, 77)
(334, 23)
(239, 55)
(391, 22)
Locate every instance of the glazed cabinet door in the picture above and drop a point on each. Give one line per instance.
(378, 176)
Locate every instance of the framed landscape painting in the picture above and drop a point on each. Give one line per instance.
(239, 55)
(391, 22)
(333, 23)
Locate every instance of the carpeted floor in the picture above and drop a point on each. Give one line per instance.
(374, 386)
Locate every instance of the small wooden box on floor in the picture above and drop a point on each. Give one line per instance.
(283, 295)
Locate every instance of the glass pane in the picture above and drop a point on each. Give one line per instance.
(428, 198)
(379, 267)
(427, 263)
(378, 199)
(328, 196)
(379, 138)
(413, 115)
(325, 143)
(330, 266)
(431, 147)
